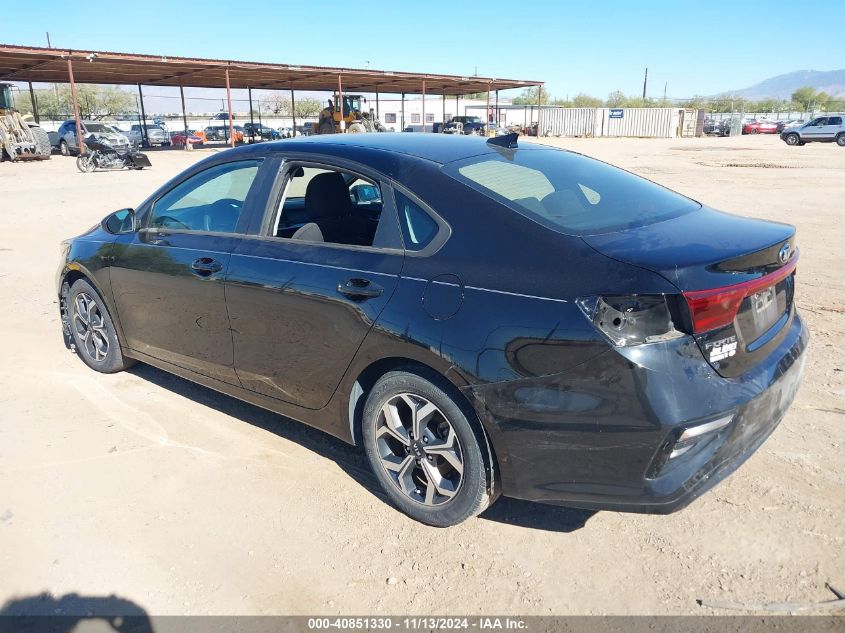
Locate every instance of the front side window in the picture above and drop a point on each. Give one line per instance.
(211, 200)
(569, 193)
(328, 205)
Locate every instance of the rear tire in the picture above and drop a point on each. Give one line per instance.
(42, 143)
(840, 140)
(92, 330)
(423, 449)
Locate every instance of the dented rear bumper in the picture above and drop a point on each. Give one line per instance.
(598, 435)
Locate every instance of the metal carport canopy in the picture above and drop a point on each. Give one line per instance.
(27, 63)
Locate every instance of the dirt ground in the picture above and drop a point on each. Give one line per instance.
(142, 487)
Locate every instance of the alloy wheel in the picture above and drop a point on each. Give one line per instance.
(419, 449)
(90, 327)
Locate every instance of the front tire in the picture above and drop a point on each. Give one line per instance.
(423, 449)
(92, 330)
(792, 139)
(63, 148)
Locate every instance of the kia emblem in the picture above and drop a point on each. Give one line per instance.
(784, 253)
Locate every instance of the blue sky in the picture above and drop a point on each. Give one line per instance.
(590, 47)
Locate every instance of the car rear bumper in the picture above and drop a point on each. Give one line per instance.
(603, 446)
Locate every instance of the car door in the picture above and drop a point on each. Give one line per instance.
(300, 307)
(167, 278)
(831, 128)
(814, 129)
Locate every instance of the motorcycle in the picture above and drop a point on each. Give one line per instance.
(106, 158)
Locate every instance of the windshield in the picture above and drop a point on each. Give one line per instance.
(97, 127)
(568, 192)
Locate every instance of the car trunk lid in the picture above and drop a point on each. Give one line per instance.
(736, 276)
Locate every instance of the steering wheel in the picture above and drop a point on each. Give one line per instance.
(224, 213)
(166, 221)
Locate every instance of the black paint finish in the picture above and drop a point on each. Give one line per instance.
(491, 306)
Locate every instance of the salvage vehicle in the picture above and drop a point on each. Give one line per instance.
(103, 157)
(153, 134)
(823, 129)
(464, 125)
(186, 138)
(759, 127)
(101, 131)
(260, 131)
(480, 318)
(20, 139)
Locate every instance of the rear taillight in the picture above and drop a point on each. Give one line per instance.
(631, 320)
(717, 307)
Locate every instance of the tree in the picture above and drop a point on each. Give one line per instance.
(95, 102)
(810, 99)
(277, 104)
(615, 99)
(280, 106)
(529, 96)
(308, 107)
(582, 100)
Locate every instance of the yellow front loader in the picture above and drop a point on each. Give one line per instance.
(19, 140)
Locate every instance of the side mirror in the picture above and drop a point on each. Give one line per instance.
(365, 193)
(120, 222)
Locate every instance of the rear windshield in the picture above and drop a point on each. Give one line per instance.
(568, 192)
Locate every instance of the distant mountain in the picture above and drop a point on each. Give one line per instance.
(781, 87)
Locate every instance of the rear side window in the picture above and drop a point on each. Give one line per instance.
(835, 120)
(568, 192)
(418, 227)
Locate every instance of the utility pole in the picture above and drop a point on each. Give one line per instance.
(664, 92)
(645, 82)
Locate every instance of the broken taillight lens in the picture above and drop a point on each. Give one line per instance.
(631, 320)
(717, 307)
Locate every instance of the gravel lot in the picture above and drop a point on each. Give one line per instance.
(145, 488)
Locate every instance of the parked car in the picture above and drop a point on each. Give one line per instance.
(759, 127)
(260, 131)
(464, 125)
(717, 127)
(185, 138)
(782, 125)
(103, 132)
(308, 128)
(556, 355)
(155, 135)
(823, 129)
(221, 133)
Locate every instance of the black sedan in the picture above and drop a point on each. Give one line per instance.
(479, 318)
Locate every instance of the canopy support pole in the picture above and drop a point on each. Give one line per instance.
(184, 113)
(145, 140)
(293, 111)
(80, 142)
(423, 106)
(229, 100)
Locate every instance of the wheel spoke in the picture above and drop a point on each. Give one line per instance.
(422, 415)
(396, 464)
(82, 309)
(393, 424)
(437, 481)
(447, 449)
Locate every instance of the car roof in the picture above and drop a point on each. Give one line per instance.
(438, 148)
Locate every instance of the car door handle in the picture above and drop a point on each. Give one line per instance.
(205, 266)
(357, 288)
